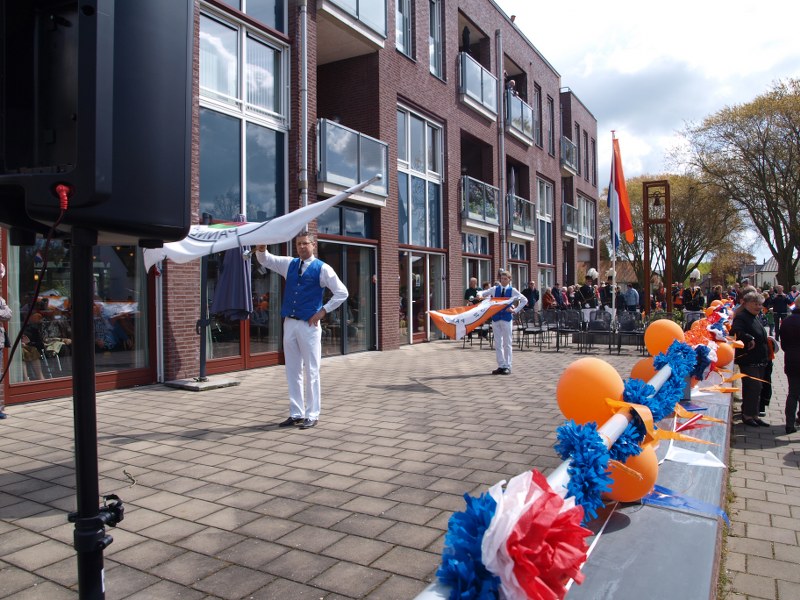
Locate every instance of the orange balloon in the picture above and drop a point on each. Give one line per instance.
(659, 335)
(583, 388)
(628, 488)
(725, 354)
(643, 369)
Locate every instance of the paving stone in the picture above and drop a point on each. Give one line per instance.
(188, 568)
(35, 557)
(397, 587)
(233, 582)
(165, 589)
(408, 562)
(147, 554)
(298, 565)
(350, 579)
(210, 541)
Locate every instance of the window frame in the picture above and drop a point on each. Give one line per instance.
(245, 113)
(428, 174)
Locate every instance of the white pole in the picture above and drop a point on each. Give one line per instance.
(559, 478)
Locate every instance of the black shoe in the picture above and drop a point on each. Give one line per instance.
(309, 423)
(497, 371)
(790, 429)
(750, 422)
(505, 372)
(3, 415)
(761, 423)
(291, 422)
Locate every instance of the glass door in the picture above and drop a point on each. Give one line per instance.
(421, 289)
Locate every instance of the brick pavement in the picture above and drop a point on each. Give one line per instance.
(227, 505)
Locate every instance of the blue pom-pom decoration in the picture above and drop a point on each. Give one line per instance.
(703, 361)
(462, 568)
(629, 443)
(588, 469)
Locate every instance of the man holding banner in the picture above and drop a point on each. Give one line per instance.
(302, 310)
(501, 321)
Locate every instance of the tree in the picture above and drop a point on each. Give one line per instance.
(752, 153)
(702, 219)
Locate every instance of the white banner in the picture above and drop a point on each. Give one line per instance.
(207, 239)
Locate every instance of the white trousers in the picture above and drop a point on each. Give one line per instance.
(302, 348)
(503, 342)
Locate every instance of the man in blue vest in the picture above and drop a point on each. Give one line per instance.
(302, 310)
(501, 322)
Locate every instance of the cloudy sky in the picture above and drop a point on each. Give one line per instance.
(646, 70)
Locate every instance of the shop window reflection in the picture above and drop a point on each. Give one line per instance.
(121, 336)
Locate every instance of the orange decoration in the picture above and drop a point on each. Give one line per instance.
(725, 354)
(659, 335)
(643, 369)
(583, 388)
(626, 487)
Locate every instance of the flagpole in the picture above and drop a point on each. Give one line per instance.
(614, 236)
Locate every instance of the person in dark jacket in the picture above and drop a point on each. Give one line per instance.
(790, 344)
(780, 308)
(753, 358)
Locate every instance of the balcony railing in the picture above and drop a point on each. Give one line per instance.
(477, 86)
(519, 118)
(371, 13)
(569, 220)
(479, 200)
(569, 156)
(347, 157)
(523, 215)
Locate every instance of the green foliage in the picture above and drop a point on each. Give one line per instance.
(751, 152)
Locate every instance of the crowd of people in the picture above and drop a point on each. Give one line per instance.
(765, 320)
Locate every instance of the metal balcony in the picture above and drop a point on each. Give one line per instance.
(569, 157)
(477, 87)
(522, 214)
(519, 118)
(479, 201)
(569, 220)
(347, 157)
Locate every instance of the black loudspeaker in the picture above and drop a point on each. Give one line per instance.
(97, 96)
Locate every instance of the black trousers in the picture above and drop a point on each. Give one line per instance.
(792, 399)
(766, 388)
(751, 389)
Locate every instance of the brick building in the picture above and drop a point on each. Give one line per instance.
(487, 162)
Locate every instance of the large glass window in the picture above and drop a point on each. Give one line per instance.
(120, 310)
(403, 31)
(271, 13)
(537, 115)
(545, 219)
(419, 181)
(242, 68)
(435, 37)
(242, 127)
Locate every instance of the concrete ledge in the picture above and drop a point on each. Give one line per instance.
(211, 383)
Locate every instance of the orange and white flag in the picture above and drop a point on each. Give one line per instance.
(457, 322)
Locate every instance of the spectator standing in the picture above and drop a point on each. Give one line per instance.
(501, 322)
(632, 297)
(5, 316)
(790, 343)
(753, 357)
(531, 295)
(780, 309)
(558, 294)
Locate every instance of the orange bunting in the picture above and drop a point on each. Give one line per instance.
(687, 414)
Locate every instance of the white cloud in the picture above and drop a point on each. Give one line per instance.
(646, 70)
